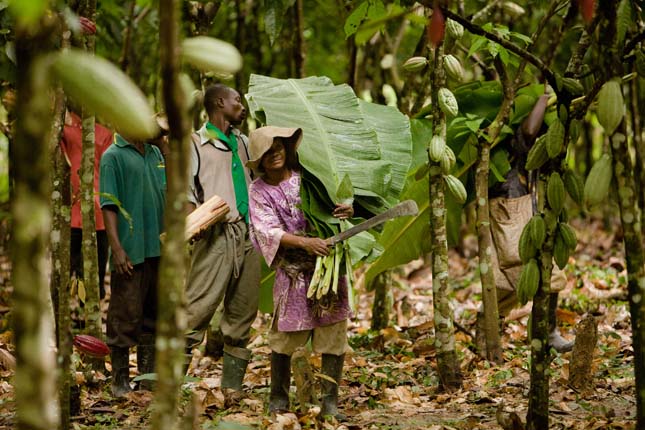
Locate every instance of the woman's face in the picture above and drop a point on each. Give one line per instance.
(276, 157)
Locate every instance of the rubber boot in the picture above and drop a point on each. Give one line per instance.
(234, 367)
(280, 382)
(556, 341)
(120, 371)
(146, 360)
(332, 366)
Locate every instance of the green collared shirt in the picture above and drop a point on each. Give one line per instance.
(135, 184)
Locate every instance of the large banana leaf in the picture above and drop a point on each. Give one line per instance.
(337, 141)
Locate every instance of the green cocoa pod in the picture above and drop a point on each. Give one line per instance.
(415, 64)
(513, 10)
(598, 181)
(555, 192)
(537, 155)
(573, 86)
(448, 102)
(529, 281)
(555, 139)
(103, 89)
(453, 67)
(454, 29)
(611, 106)
(574, 186)
(211, 55)
(537, 227)
(447, 161)
(456, 188)
(525, 246)
(560, 251)
(437, 148)
(568, 235)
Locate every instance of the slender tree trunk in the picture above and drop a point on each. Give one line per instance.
(35, 378)
(90, 255)
(129, 29)
(639, 150)
(630, 215)
(382, 300)
(447, 362)
(170, 321)
(299, 45)
(240, 42)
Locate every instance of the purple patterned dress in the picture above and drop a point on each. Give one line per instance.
(274, 211)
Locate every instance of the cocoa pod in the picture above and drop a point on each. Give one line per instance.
(415, 64)
(453, 67)
(537, 155)
(211, 55)
(447, 102)
(513, 9)
(447, 161)
(573, 86)
(533, 122)
(574, 186)
(537, 228)
(598, 181)
(455, 30)
(587, 9)
(90, 345)
(437, 27)
(560, 251)
(568, 235)
(529, 281)
(555, 139)
(456, 188)
(611, 106)
(555, 192)
(436, 148)
(525, 245)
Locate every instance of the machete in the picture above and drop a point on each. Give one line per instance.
(407, 207)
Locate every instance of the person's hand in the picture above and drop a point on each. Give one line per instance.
(343, 211)
(315, 246)
(122, 263)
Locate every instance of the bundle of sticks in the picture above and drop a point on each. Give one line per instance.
(212, 211)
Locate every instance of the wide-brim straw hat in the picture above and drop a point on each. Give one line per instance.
(261, 140)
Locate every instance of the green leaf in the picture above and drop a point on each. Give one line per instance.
(623, 21)
(274, 16)
(355, 18)
(28, 12)
(421, 130)
(265, 301)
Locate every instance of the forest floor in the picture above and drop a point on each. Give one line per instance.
(390, 380)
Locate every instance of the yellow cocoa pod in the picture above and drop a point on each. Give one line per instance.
(453, 67)
(560, 251)
(555, 139)
(598, 181)
(415, 64)
(103, 89)
(447, 160)
(211, 55)
(437, 148)
(447, 102)
(568, 235)
(529, 281)
(525, 246)
(537, 155)
(555, 192)
(537, 227)
(574, 186)
(611, 106)
(456, 188)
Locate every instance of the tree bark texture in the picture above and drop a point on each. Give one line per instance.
(639, 171)
(382, 285)
(630, 215)
(580, 372)
(447, 362)
(171, 319)
(35, 377)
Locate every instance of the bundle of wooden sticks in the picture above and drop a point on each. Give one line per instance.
(212, 211)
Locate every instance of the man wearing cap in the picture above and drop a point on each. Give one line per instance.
(133, 196)
(224, 265)
(279, 231)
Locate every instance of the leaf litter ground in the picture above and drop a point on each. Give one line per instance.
(390, 379)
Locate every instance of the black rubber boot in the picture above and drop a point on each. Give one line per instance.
(332, 366)
(280, 382)
(146, 360)
(120, 371)
(556, 341)
(234, 367)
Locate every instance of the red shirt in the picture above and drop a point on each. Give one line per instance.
(72, 145)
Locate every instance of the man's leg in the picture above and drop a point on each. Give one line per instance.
(102, 249)
(146, 342)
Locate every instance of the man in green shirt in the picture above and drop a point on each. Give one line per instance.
(133, 187)
(224, 265)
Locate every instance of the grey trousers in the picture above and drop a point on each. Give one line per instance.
(224, 267)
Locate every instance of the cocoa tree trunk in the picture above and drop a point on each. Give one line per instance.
(382, 285)
(299, 45)
(35, 377)
(630, 215)
(447, 362)
(170, 319)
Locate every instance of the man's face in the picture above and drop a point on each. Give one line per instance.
(233, 108)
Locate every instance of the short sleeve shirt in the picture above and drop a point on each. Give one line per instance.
(137, 183)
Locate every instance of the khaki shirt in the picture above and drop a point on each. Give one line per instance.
(213, 159)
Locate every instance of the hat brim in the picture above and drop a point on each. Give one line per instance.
(262, 138)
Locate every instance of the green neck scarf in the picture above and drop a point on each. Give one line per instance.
(237, 168)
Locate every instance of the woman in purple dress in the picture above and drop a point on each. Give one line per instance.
(278, 231)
